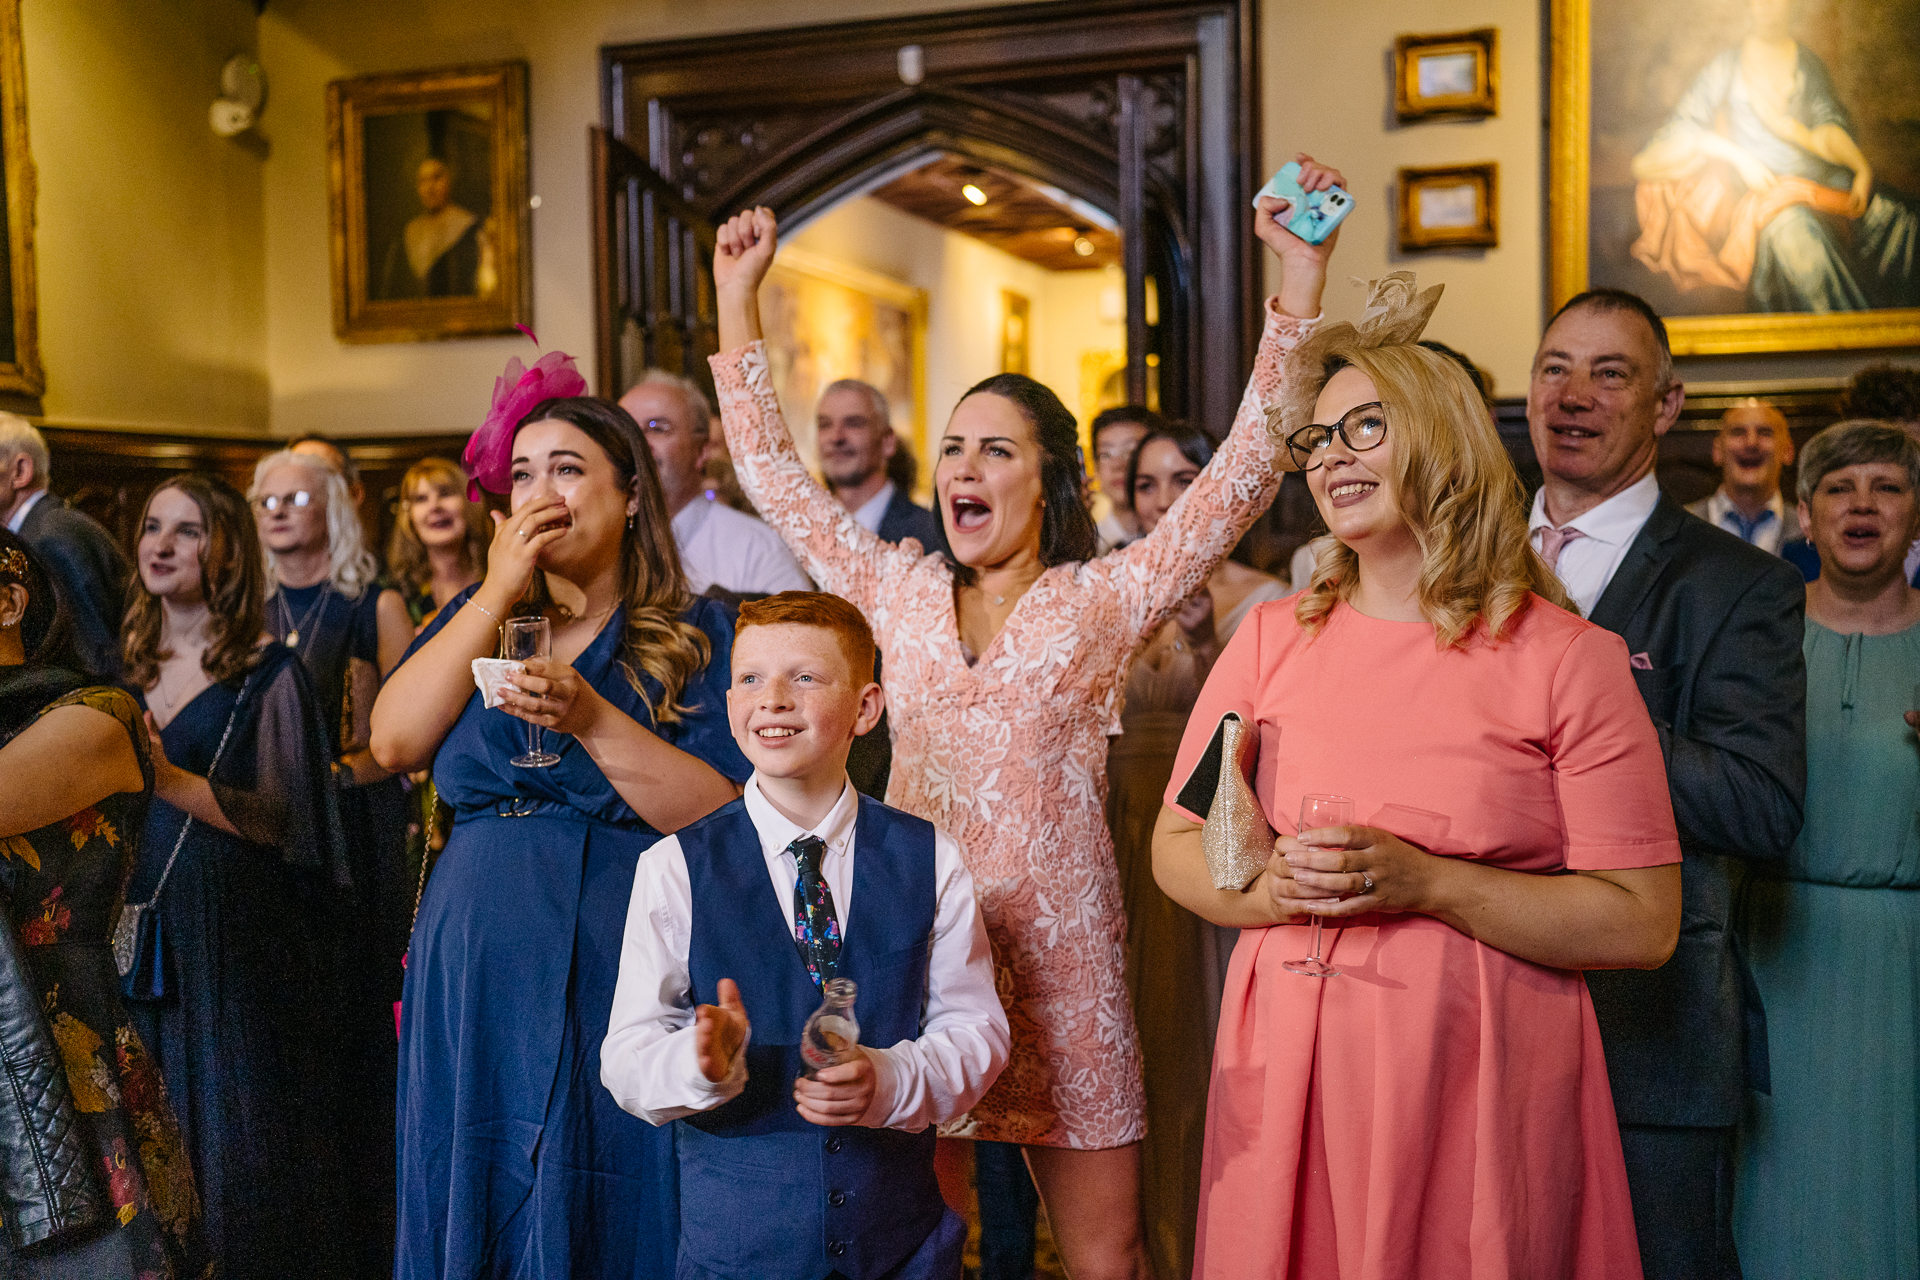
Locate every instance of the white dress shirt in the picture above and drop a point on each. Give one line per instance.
(731, 548)
(874, 509)
(19, 516)
(648, 1061)
(1587, 564)
(1769, 533)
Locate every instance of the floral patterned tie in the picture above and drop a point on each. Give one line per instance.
(815, 926)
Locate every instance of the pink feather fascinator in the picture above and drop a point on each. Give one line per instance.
(489, 454)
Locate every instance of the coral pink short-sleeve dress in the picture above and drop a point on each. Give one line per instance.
(1441, 1108)
(1009, 752)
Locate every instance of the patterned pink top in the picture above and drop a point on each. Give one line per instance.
(1009, 754)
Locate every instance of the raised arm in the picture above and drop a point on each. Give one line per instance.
(836, 552)
(1162, 570)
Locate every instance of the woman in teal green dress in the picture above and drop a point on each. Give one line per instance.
(1830, 1162)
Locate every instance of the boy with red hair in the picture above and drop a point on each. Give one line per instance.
(737, 923)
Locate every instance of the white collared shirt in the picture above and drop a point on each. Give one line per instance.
(1587, 564)
(1769, 533)
(19, 516)
(648, 1061)
(731, 548)
(874, 509)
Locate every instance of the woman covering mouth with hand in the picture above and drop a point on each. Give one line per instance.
(1004, 671)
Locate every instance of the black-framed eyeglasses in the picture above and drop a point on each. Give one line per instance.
(272, 502)
(1363, 427)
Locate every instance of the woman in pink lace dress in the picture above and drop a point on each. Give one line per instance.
(1004, 675)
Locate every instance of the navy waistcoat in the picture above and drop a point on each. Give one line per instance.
(764, 1193)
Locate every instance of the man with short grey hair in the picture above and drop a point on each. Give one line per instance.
(856, 441)
(719, 547)
(1713, 629)
(88, 567)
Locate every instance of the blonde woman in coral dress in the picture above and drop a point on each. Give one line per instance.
(1004, 676)
(1440, 1108)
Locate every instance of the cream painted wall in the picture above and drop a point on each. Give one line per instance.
(185, 280)
(320, 384)
(150, 229)
(963, 278)
(1327, 89)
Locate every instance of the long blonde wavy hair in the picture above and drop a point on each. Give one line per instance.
(351, 567)
(1457, 488)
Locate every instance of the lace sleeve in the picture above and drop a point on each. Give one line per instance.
(836, 552)
(1162, 570)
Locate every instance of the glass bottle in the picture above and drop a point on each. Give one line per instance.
(832, 1033)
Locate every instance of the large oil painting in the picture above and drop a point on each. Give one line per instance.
(825, 320)
(429, 176)
(1750, 167)
(20, 374)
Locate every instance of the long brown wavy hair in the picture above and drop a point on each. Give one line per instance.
(406, 554)
(233, 578)
(1457, 490)
(652, 584)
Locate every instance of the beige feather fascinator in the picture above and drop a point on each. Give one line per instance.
(1396, 314)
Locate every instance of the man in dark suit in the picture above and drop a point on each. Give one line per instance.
(856, 442)
(88, 566)
(1714, 629)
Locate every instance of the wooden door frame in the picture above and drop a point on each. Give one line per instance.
(871, 123)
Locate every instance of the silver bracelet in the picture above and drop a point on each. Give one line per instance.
(490, 613)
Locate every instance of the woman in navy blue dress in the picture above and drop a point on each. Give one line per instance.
(514, 1161)
(237, 1000)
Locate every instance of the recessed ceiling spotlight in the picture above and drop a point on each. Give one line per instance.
(1083, 246)
(973, 194)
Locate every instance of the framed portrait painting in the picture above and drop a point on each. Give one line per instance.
(825, 320)
(20, 373)
(428, 176)
(1747, 166)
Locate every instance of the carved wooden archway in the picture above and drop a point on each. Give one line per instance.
(1143, 107)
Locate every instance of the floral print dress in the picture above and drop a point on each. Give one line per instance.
(64, 884)
(1008, 751)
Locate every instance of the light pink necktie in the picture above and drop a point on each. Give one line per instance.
(1553, 541)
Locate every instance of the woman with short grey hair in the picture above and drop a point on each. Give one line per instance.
(1832, 934)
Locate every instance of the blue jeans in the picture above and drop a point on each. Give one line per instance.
(1009, 1209)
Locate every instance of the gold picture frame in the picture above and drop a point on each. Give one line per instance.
(428, 182)
(1571, 203)
(1452, 76)
(1450, 207)
(20, 371)
(825, 320)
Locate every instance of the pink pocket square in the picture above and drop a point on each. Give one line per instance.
(1640, 662)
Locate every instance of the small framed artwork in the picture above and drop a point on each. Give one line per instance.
(1456, 75)
(428, 176)
(1456, 206)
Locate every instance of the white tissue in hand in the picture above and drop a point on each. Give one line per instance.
(491, 673)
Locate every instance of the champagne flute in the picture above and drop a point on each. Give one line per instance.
(530, 638)
(1320, 811)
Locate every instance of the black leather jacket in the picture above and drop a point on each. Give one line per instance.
(50, 1182)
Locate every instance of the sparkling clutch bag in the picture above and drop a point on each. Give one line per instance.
(1236, 838)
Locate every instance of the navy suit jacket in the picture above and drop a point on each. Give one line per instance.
(1719, 625)
(904, 518)
(91, 573)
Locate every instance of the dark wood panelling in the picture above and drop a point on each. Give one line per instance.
(1017, 217)
(108, 474)
(1143, 107)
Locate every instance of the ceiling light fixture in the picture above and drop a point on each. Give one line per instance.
(1083, 246)
(973, 194)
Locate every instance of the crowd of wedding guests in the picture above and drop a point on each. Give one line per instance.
(1611, 967)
